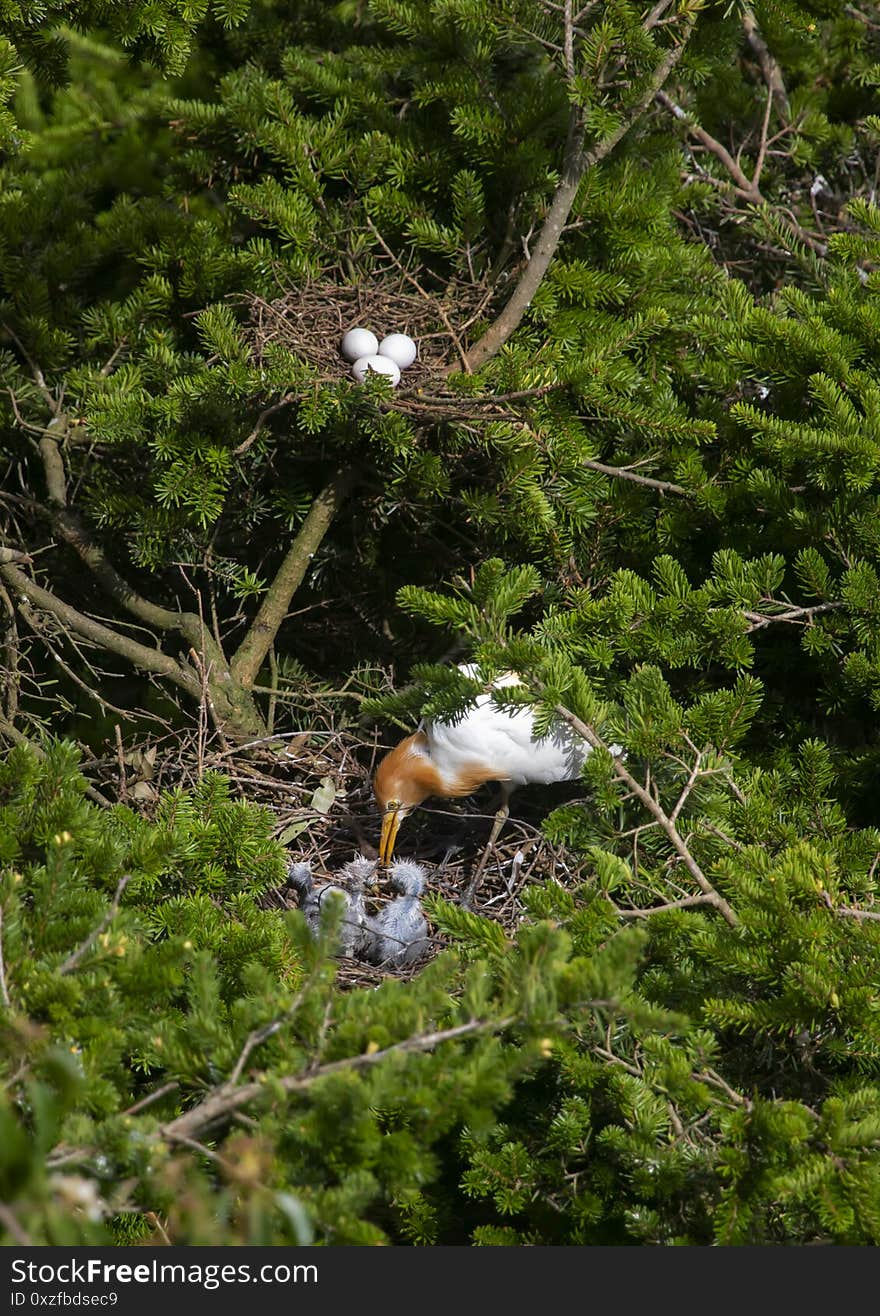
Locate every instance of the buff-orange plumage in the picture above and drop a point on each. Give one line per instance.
(453, 759)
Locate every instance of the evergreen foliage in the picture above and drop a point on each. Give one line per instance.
(639, 467)
(606, 1079)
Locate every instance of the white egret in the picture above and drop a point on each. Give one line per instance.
(453, 759)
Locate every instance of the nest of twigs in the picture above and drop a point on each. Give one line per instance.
(446, 838)
(310, 320)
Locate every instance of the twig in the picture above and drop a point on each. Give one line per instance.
(9, 1220)
(769, 68)
(689, 785)
(153, 1096)
(120, 760)
(152, 1219)
(795, 616)
(715, 1080)
(744, 187)
(259, 1035)
(4, 991)
(428, 298)
(621, 473)
(229, 1097)
(655, 809)
(261, 421)
(687, 903)
(575, 165)
(150, 660)
(74, 958)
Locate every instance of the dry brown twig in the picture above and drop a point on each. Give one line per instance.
(648, 799)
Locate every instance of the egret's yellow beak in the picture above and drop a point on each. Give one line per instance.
(390, 828)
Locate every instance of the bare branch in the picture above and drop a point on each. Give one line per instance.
(569, 41)
(261, 421)
(744, 187)
(689, 902)
(769, 68)
(159, 1093)
(655, 809)
(150, 660)
(794, 616)
(261, 634)
(621, 473)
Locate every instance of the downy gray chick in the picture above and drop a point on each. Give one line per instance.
(357, 875)
(353, 931)
(401, 929)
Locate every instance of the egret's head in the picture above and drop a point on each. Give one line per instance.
(403, 779)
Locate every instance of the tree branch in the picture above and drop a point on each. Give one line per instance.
(72, 530)
(576, 164)
(4, 991)
(621, 473)
(149, 660)
(230, 1097)
(249, 656)
(795, 616)
(74, 958)
(744, 187)
(712, 897)
(769, 68)
(689, 902)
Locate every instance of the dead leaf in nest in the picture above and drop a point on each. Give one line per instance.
(143, 761)
(322, 800)
(142, 790)
(293, 830)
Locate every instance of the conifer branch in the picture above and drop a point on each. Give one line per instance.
(75, 956)
(4, 990)
(744, 187)
(248, 658)
(622, 473)
(228, 1098)
(770, 70)
(576, 164)
(794, 616)
(711, 896)
(139, 655)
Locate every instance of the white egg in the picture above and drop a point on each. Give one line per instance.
(400, 348)
(357, 343)
(379, 365)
